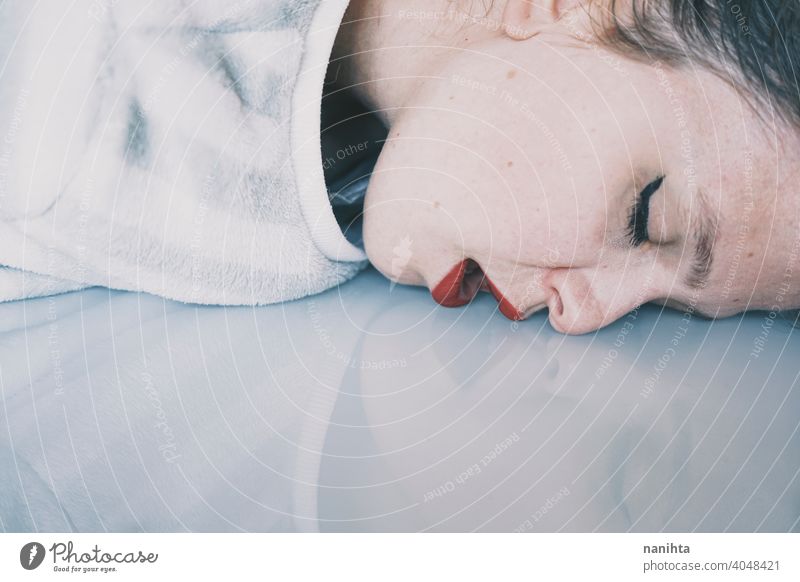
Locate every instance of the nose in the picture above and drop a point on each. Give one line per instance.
(588, 299)
(465, 279)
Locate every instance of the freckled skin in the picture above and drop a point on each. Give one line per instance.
(536, 164)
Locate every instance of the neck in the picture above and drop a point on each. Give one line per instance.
(384, 47)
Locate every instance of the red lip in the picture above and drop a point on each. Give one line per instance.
(454, 291)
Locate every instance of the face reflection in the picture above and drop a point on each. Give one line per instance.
(555, 174)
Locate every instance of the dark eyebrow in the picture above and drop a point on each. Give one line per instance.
(705, 233)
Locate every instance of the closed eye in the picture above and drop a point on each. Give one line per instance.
(639, 213)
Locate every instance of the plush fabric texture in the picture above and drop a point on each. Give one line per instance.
(167, 147)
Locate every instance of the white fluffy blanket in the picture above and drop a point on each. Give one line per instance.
(170, 147)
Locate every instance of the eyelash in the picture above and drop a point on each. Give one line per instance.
(639, 212)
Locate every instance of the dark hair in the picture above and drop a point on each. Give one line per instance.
(754, 44)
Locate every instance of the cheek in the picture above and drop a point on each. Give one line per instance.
(561, 237)
(415, 223)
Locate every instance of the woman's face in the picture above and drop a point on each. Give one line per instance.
(584, 182)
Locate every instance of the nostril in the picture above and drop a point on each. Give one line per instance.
(556, 305)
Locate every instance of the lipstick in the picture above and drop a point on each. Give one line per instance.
(506, 307)
(463, 282)
(450, 292)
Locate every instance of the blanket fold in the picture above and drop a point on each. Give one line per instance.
(167, 148)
